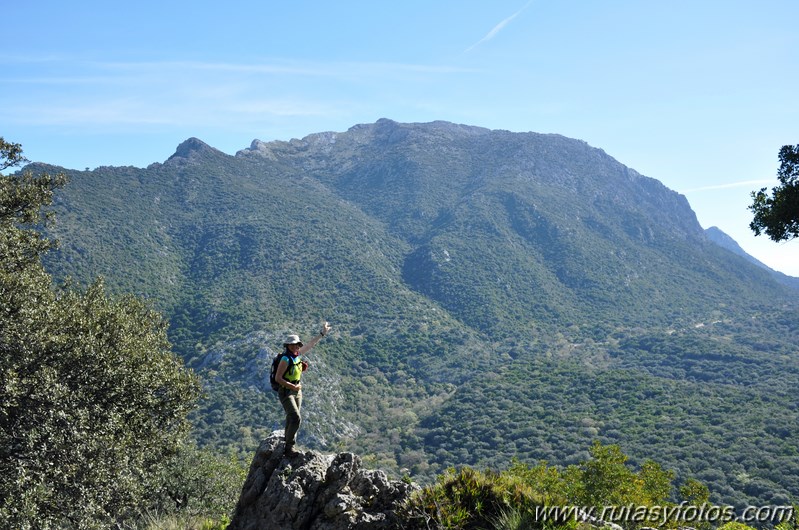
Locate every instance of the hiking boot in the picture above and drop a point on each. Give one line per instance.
(290, 452)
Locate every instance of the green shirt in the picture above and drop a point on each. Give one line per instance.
(293, 372)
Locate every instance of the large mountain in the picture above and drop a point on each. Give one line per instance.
(494, 295)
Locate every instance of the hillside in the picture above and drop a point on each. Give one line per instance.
(725, 241)
(493, 295)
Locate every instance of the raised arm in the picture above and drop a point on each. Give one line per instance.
(311, 343)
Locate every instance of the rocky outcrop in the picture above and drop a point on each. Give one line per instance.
(314, 491)
(190, 150)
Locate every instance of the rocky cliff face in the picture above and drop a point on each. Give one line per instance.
(314, 491)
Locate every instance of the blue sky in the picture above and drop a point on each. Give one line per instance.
(697, 94)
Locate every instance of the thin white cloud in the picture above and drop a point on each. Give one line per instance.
(186, 74)
(196, 110)
(499, 27)
(742, 184)
(256, 67)
(179, 93)
(119, 112)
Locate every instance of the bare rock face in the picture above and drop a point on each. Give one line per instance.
(313, 491)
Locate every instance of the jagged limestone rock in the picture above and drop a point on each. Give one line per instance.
(314, 491)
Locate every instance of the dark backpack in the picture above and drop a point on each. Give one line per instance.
(275, 385)
(275, 362)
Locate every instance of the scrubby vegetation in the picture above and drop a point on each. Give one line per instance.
(599, 492)
(521, 298)
(93, 403)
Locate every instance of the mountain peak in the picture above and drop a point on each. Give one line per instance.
(192, 148)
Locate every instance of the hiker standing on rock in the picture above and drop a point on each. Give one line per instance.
(288, 374)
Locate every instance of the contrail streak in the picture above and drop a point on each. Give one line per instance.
(496, 29)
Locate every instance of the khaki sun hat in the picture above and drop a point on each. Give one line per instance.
(292, 339)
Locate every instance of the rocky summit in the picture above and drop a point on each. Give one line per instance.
(315, 491)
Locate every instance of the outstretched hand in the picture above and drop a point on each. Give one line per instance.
(325, 328)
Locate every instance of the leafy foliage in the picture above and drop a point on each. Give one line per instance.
(92, 400)
(778, 215)
(674, 397)
(10, 154)
(522, 496)
(198, 482)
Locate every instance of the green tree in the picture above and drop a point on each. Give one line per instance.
(199, 482)
(512, 498)
(694, 492)
(605, 479)
(10, 154)
(92, 400)
(778, 215)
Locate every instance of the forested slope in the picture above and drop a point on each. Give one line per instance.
(493, 295)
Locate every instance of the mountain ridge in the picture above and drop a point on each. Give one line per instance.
(722, 239)
(464, 270)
